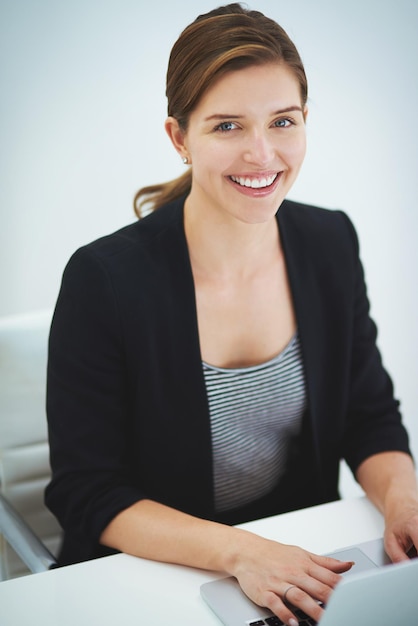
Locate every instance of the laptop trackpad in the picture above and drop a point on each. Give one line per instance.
(362, 562)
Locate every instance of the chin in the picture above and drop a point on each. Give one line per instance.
(260, 214)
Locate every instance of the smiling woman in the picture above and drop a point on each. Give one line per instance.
(213, 362)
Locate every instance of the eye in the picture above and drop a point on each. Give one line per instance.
(284, 123)
(225, 127)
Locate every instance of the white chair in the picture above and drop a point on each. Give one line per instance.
(25, 522)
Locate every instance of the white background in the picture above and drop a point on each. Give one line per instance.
(82, 109)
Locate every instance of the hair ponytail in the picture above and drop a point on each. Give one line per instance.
(155, 196)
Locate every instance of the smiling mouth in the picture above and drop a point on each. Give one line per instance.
(254, 183)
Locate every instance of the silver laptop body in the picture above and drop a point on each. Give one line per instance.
(370, 595)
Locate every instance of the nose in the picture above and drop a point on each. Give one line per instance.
(259, 149)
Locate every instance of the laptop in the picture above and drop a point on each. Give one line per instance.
(374, 592)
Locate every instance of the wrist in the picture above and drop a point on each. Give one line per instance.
(400, 496)
(237, 547)
(245, 549)
(388, 478)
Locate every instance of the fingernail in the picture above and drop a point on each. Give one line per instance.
(293, 622)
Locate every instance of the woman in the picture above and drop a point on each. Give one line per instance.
(213, 362)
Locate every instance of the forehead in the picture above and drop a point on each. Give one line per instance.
(254, 88)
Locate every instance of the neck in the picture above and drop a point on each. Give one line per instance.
(229, 248)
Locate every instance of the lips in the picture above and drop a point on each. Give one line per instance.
(254, 182)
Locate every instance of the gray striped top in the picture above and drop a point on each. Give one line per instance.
(255, 412)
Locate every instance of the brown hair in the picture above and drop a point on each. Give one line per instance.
(225, 39)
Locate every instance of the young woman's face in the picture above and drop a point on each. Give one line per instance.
(246, 142)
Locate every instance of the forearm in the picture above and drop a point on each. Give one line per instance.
(154, 531)
(388, 478)
(265, 569)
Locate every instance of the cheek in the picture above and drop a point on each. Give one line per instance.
(295, 150)
(213, 158)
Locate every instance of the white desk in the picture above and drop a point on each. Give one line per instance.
(126, 590)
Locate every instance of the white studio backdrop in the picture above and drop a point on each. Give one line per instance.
(82, 110)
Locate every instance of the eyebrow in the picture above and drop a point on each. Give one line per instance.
(222, 116)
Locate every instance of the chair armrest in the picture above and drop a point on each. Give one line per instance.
(23, 540)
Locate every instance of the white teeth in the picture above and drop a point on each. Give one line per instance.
(254, 183)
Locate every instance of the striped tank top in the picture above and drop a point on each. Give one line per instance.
(255, 413)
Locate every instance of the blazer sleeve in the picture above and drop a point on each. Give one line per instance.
(373, 422)
(88, 402)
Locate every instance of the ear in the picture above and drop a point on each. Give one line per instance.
(176, 135)
(305, 112)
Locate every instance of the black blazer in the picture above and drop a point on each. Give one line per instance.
(127, 406)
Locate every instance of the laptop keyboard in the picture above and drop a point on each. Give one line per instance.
(304, 620)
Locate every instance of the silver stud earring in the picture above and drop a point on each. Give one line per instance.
(185, 160)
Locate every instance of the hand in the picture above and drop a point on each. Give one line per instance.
(390, 481)
(401, 530)
(274, 575)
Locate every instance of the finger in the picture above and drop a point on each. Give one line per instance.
(279, 608)
(298, 600)
(324, 576)
(316, 589)
(296, 597)
(335, 565)
(396, 551)
(328, 576)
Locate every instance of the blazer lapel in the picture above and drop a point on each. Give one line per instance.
(310, 315)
